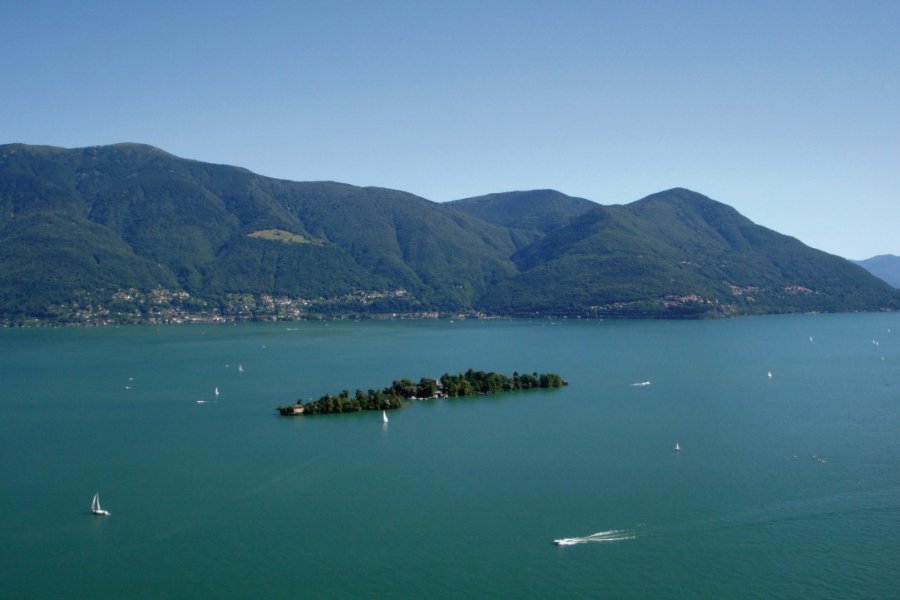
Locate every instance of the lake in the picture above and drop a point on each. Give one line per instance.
(786, 486)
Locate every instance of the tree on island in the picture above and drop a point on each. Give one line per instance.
(470, 383)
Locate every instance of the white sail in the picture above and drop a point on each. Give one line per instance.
(216, 391)
(677, 447)
(384, 416)
(95, 506)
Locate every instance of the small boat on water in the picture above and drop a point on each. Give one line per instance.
(677, 447)
(216, 391)
(96, 508)
(384, 418)
(566, 541)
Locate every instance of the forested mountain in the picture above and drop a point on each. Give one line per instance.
(535, 212)
(106, 218)
(87, 234)
(680, 253)
(885, 266)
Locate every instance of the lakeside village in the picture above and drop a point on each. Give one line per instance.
(174, 307)
(470, 383)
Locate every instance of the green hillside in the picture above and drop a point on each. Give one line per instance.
(678, 253)
(122, 216)
(129, 232)
(535, 213)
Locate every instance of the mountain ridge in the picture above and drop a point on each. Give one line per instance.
(78, 226)
(884, 266)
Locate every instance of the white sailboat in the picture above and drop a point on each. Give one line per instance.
(384, 418)
(96, 508)
(677, 447)
(216, 391)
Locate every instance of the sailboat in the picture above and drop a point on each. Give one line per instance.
(384, 418)
(216, 391)
(677, 447)
(96, 508)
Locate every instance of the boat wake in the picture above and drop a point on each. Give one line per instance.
(640, 384)
(613, 535)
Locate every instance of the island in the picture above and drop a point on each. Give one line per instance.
(470, 383)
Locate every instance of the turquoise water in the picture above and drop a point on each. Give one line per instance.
(786, 487)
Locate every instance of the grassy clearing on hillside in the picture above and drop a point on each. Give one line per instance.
(280, 235)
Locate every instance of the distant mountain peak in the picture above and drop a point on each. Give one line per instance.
(533, 211)
(133, 146)
(884, 266)
(128, 149)
(679, 194)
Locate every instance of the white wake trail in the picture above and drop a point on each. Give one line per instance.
(613, 535)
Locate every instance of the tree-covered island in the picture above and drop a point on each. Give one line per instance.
(470, 383)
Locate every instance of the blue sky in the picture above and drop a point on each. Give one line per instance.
(787, 111)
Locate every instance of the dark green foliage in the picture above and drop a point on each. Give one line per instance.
(341, 403)
(48, 259)
(443, 258)
(394, 396)
(478, 382)
(307, 270)
(679, 254)
(191, 223)
(537, 212)
(77, 226)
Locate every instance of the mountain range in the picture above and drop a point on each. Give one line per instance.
(95, 230)
(885, 266)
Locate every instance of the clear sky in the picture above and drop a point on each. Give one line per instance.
(789, 111)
